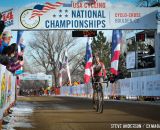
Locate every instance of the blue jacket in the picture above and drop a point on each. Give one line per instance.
(3, 46)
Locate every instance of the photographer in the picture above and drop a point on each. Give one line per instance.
(2, 25)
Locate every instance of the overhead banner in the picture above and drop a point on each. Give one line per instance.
(81, 15)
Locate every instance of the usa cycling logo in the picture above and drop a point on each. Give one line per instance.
(30, 18)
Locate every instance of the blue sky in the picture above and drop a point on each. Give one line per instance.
(15, 3)
(19, 3)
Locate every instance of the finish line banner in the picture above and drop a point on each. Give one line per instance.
(83, 15)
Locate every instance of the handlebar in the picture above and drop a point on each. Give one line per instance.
(101, 82)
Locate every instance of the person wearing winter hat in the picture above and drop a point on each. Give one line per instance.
(6, 38)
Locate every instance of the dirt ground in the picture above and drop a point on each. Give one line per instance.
(66, 113)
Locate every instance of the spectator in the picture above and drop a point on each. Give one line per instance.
(2, 25)
(6, 38)
(151, 50)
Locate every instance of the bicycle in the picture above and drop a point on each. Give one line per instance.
(98, 99)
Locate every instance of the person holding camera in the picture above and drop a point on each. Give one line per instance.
(6, 38)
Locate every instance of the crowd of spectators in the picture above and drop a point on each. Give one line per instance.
(11, 54)
(75, 83)
(48, 91)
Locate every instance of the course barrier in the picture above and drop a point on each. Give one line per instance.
(129, 87)
(7, 91)
(137, 86)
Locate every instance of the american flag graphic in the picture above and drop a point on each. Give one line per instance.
(116, 41)
(88, 65)
(39, 10)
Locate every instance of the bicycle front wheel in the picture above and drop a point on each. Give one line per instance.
(95, 100)
(100, 102)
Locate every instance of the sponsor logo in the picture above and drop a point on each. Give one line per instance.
(7, 17)
(27, 21)
(30, 18)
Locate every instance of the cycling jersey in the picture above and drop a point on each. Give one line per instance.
(99, 70)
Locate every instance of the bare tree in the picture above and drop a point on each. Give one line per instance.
(46, 48)
(77, 70)
(26, 67)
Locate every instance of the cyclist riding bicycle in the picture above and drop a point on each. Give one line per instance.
(98, 70)
(98, 73)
